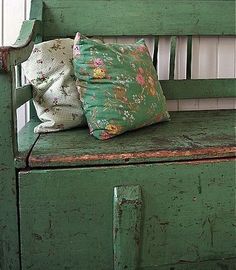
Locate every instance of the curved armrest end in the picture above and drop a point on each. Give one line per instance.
(22, 48)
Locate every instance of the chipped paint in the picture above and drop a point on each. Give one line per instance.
(213, 152)
(4, 58)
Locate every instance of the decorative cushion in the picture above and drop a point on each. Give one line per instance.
(118, 86)
(50, 70)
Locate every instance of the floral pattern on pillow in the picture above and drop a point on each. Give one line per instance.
(118, 87)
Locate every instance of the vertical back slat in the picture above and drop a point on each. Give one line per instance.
(156, 44)
(189, 58)
(172, 58)
(18, 76)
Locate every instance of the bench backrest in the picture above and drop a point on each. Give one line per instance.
(146, 18)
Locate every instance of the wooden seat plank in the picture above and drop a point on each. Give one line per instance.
(188, 136)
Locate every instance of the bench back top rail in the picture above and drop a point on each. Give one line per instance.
(137, 17)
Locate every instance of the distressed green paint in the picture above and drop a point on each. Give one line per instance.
(140, 17)
(200, 88)
(9, 246)
(21, 49)
(26, 139)
(127, 218)
(223, 264)
(36, 11)
(67, 214)
(184, 137)
(188, 215)
(23, 94)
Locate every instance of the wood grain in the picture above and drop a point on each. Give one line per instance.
(188, 215)
(189, 135)
(152, 17)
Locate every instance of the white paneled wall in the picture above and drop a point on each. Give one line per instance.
(213, 57)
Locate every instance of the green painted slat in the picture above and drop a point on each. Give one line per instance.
(9, 244)
(188, 215)
(36, 11)
(189, 58)
(127, 219)
(18, 76)
(23, 94)
(172, 58)
(155, 54)
(191, 135)
(140, 17)
(194, 89)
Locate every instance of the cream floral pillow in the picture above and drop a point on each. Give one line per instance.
(49, 69)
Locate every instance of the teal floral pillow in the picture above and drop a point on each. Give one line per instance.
(118, 86)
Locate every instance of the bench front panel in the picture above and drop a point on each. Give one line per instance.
(66, 215)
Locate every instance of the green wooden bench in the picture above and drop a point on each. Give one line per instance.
(162, 197)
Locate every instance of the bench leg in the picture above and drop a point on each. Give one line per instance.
(127, 227)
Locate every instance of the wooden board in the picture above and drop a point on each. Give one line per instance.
(199, 89)
(188, 136)
(9, 245)
(26, 139)
(187, 216)
(140, 17)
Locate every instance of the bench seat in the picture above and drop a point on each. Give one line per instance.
(188, 136)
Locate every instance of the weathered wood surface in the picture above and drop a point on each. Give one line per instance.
(23, 94)
(228, 264)
(189, 135)
(127, 220)
(194, 89)
(21, 49)
(140, 17)
(9, 246)
(26, 139)
(188, 215)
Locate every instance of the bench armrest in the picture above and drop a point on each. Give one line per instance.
(22, 48)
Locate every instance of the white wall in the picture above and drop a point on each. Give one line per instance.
(213, 57)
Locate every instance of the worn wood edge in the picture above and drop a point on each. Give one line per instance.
(26, 141)
(129, 158)
(199, 88)
(23, 94)
(221, 262)
(127, 216)
(9, 235)
(22, 48)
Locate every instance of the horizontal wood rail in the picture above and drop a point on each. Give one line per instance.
(173, 89)
(23, 94)
(195, 89)
(150, 17)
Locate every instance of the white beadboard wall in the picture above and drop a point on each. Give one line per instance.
(213, 57)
